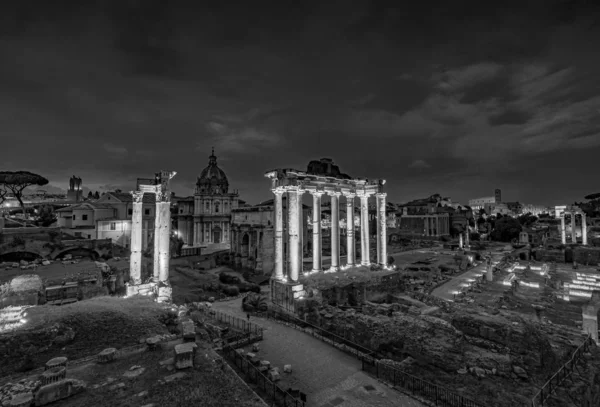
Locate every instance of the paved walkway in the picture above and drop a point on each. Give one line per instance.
(446, 291)
(328, 376)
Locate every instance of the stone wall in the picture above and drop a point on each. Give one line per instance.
(548, 255)
(268, 252)
(35, 233)
(586, 255)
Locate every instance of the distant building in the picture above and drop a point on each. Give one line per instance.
(108, 218)
(205, 218)
(479, 203)
(75, 192)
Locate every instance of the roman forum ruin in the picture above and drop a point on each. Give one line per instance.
(159, 284)
(573, 211)
(284, 281)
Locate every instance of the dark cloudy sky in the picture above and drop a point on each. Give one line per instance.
(449, 97)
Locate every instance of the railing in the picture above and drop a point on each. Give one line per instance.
(234, 322)
(269, 390)
(371, 363)
(190, 251)
(317, 332)
(562, 374)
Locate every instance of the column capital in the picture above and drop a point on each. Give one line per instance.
(137, 196)
(350, 195)
(278, 190)
(334, 193)
(381, 194)
(296, 189)
(318, 194)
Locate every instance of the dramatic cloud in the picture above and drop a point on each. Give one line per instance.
(118, 90)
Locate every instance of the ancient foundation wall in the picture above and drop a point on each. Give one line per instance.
(286, 295)
(550, 255)
(586, 255)
(35, 233)
(268, 252)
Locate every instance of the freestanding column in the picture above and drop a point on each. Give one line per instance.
(335, 231)
(583, 230)
(316, 226)
(162, 238)
(573, 228)
(460, 241)
(364, 229)
(135, 261)
(350, 246)
(278, 207)
(563, 229)
(293, 232)
(381, 229)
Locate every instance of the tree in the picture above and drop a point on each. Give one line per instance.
(592, 196)
(17, 181)
(46, 216)
(3, 193)
(90, 195)
(506, 229)
(96, 195)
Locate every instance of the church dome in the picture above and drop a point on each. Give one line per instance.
(212, 179)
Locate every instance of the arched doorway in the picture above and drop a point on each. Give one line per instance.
(245, 245)
(217, 233)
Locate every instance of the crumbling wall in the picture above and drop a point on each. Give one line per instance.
(586, 255)
(550, 255)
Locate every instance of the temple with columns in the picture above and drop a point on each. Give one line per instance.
(285, 286)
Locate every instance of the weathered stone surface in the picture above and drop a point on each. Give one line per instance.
(273, 375)
(175, 376)
(287, 368)
(58, 391)
(131, 373)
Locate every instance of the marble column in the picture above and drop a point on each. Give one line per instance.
(162, 241)
(467, 238)
(563, 229)
(335, 231)
(278, 209)
(135, 261)
(583, 230)
(350, 245)
(364, 229)
(573, 228)
(460, 241)
(381, 229)
(293, 233)
(317, 246)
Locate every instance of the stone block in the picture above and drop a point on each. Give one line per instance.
(131, 373)
(255, 361)
(165, 294)
(174, 377)
(55, 362)
(265, 363)
(287, 368)
(107, 355)
(250, 355)
(57, 391)
(273, 375)
(298, 287)
(255, 347)
(21, 400)
(240, 352)
(53, 375)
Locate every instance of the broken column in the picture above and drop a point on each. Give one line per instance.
(460, 241)
(350, 245)
(135, 261)
(294, 248)
(317, 240)
(563, 229)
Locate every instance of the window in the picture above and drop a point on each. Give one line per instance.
(113, 226)
(181, 211)
(89, 236)
(146, 211)
(83, 217)
(74, 217)
(130, 211)
(207, 207)
(216, 207)
(77, 234)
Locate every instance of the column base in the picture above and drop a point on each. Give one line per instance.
(350, 264)
(148, 289)
(285, 294)
(333, 269)
(364, 263)
(316, 271)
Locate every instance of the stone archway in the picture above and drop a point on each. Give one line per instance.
(16, 256)
(78, 251)
(245, 250)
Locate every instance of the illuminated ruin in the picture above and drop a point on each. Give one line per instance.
(159, 284)
(285, 286)
(573, 211)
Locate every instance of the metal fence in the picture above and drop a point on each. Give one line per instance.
(439, 395)
(235, 322)
(269, 390)
(562, 374)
